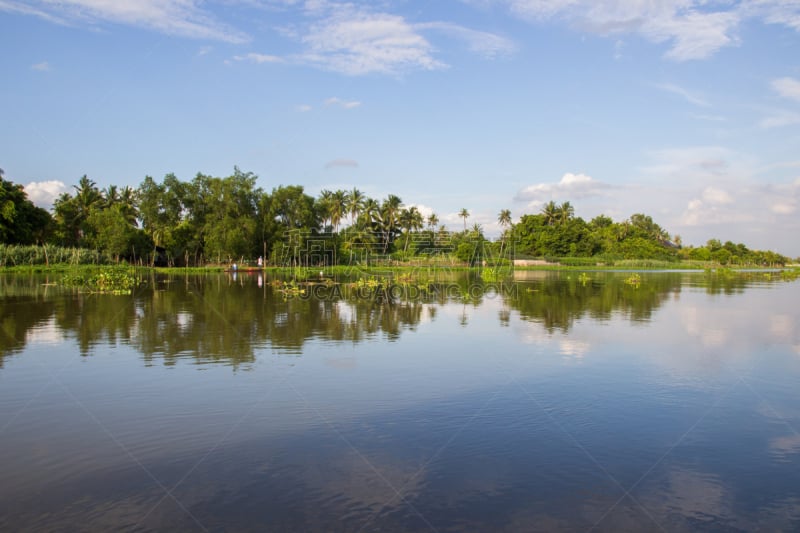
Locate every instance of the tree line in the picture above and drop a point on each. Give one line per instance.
(225, 219)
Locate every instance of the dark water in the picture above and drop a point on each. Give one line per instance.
(552, 403)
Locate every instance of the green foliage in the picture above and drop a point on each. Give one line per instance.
(226, 219)
(17, 255)
(21, 222)
(634, 280)
(111, 280)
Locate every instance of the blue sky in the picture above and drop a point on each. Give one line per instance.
(686, 110)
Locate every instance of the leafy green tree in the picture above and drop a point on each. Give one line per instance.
(72, 213)
(114, 234)
(21, 222)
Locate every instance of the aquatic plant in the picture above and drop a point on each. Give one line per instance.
(634, 280)
(109, 280)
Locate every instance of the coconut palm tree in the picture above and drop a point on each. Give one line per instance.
(410, 219)
(550, 212)
(110, 196)
(565, 212)
(504, 218)
(354, 204)
(370, 212)
(338, 204)
(390, 210)
(324, 203)
(127, 205)
(433, 220)
(465, 215)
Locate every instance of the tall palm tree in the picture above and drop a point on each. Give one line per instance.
(128, 205)
(370, 212)
(337, 208)
(390, 209)
(465, 215)
(504, 219)
(565, 212)
(433, 220)
(110, 196)
(550, 212)
(324, 203)
(354, 204)
(87, 197)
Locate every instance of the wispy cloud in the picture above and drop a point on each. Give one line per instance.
(339, 163)
(571, 186)
(693, 33)
(483, 43)
(358, 39)
(44, 66)
(253, 57)
(683, 93)
(344, 104)
(787, 87)
(185, 18)
(303, 108)
(780, 118)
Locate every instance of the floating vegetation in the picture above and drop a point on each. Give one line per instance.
(634, 280)
(289, 288)
(107, 280)
(584, 278)
(489, 275)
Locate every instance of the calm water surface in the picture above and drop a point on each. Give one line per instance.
(550, 403)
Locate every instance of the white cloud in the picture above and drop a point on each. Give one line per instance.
(355, 42)
(424, 210)
(303, 108)
(694, 34)
(43, 193)
(787, 87)
(571, 186)
(716, 196)
(185, 18)
(344, 104)
(258, 58)
(44, 66)
(680, 91)
(338, 163)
